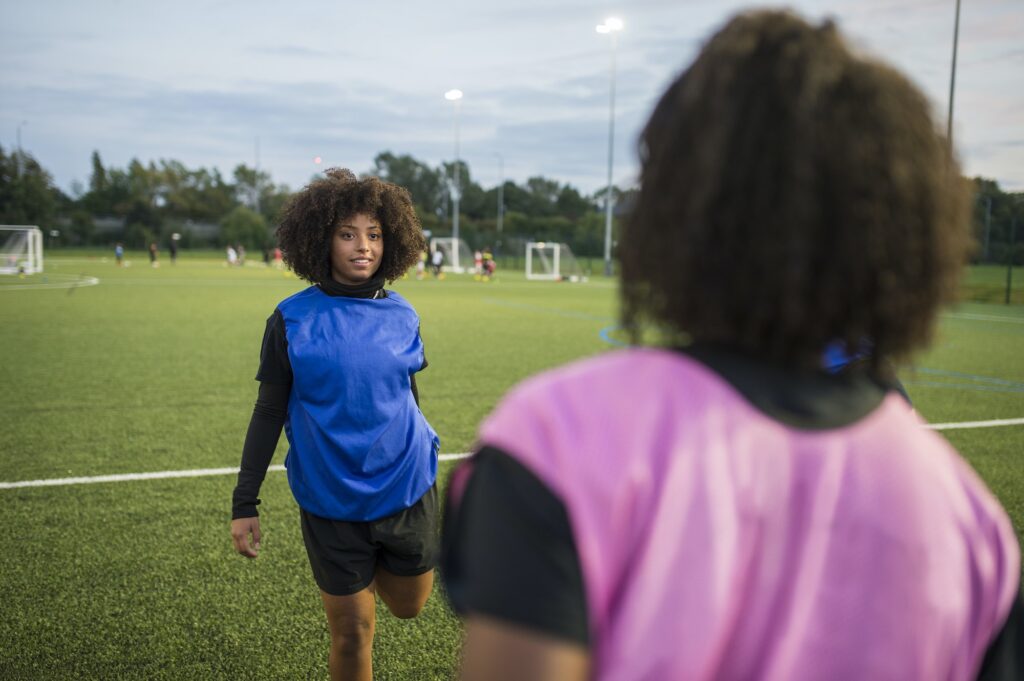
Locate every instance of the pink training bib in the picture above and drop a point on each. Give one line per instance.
(718, 543)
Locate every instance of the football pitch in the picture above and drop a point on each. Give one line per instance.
(111, 371)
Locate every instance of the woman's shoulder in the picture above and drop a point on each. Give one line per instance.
(397, 300)
(305, 295)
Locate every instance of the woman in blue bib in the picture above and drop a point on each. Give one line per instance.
(337, 372)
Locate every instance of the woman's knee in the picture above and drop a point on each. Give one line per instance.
(351, 634)
(351, 621)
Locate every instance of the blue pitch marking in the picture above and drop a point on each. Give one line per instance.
(988, 384)
(964, 386)
(970, 377)
(604, 334)
(571, 314)
(980, 383)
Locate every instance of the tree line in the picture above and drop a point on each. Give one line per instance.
(146, 203)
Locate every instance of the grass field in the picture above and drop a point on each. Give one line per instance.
(152, 370)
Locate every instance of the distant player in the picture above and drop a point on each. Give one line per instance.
(437, 261)
(337, 372)
(119, 254)
(723, 507)
(421, 264)
(487, 264)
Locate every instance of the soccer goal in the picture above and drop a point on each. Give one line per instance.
(552, 262)
(21, 249)
(457, 256)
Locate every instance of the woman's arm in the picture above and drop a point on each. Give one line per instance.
(265, 426)
(512, 571)
(497, 651)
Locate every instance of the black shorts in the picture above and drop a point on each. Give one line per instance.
(345, 554)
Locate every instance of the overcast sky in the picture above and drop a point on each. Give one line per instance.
(201, 82)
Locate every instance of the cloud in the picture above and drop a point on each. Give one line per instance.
(346, 81)
(296, 51)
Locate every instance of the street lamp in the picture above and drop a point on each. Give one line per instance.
(611, 25)
(952, 76)
(501, 193)
(456, 97)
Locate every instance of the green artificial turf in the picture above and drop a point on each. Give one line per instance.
(152, 370)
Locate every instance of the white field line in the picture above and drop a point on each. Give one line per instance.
(984, 317)
(976, 424)
(124, 477)
(157, 475)
(61, 281)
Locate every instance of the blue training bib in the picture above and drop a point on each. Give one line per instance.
(361, 448)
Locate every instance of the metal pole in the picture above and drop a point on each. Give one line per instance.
(501, 192)
(458, 190)
(952, 76)
(17, 158)
(256, 178)
(611, 152)
(1009, 259)
(988, 225)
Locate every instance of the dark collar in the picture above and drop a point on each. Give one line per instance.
(808, 400)
(371, 288)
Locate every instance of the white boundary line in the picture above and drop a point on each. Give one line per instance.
(159, 475)
(974, 316)
(976, 424)
(61, 281)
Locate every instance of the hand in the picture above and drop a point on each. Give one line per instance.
(241, 528)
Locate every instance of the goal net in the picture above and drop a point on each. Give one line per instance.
(551, 262)
(21, 249)
(457, 256)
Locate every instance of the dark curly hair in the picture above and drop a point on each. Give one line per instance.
(793, 194)
(311, 216)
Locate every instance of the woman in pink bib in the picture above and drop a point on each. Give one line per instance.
(718, 505)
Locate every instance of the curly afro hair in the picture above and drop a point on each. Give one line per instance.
(793, 194)
(311, 216)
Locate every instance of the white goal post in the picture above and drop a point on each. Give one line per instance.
(21, 249)
(549, 261)
(457, 256)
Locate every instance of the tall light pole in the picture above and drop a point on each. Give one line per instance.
(501, 193)
(256, 178)
(611, 25)
(456, 97)
(952, 76)
(18, 158)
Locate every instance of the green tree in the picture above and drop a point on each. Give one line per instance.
(427, 185)
(570, 204)
(244, 226)
(517, 199)
(543, 195)
(81, 227)
(472, 198)
(27, 193)
(272, 202)
(994, 212)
